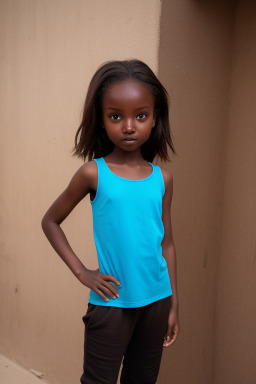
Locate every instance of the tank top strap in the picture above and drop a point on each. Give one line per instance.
(100, 165)
(158, 176)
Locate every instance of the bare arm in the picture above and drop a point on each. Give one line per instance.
(170, 256)
(84, 181)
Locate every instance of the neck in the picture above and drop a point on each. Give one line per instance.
(133, 157)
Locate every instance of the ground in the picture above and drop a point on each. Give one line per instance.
(12, 373)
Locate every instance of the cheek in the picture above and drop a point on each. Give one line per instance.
(147, 133)
(110, 131)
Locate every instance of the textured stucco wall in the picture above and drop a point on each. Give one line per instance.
(49, 51)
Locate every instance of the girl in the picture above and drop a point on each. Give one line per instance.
(133, 304)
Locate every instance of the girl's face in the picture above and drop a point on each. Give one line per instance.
(128, 114)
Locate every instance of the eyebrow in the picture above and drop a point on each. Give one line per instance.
(137, 109)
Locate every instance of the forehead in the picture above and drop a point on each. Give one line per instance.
(128, 91)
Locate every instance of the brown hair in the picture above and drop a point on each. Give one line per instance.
(92, 141)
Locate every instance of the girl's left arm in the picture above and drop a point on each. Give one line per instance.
(170, 256)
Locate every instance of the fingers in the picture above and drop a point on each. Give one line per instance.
(101, 294)
(110, 290)
(171, 336)
(106, 287)
(112, 279)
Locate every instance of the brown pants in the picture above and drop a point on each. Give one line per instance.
(135, 335)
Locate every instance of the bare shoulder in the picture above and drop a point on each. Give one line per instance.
(89, 170)
(168, 183)
(167, 176)
(86, 176)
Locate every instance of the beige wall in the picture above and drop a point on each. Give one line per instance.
(235, 347)
(194, 63)
(50, 49)
(207, 60)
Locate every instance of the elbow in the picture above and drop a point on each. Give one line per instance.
(48, 222)
(45, 223)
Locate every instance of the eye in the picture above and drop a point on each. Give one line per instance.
(141, 116)
(114, 117)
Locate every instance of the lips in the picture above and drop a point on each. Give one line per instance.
(129, 139)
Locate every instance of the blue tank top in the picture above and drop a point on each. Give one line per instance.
(128, 232)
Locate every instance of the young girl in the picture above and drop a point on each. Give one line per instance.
(133, 303)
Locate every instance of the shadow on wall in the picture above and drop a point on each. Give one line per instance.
(207, 62)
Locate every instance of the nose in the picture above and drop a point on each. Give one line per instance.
(128, 126)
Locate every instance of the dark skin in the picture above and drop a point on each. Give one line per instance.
(128, 116)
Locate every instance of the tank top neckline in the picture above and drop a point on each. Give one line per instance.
(125, 179)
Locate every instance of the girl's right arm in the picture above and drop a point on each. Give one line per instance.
(83, 182)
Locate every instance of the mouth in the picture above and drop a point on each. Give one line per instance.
(129, 139)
